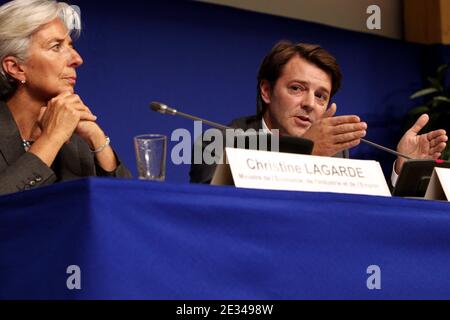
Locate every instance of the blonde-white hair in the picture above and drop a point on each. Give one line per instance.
(19, 19)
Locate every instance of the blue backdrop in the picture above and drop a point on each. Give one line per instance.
(204, 58)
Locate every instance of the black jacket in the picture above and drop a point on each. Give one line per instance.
(203, 173)
(20, 170)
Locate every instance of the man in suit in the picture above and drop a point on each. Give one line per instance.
(295, 85)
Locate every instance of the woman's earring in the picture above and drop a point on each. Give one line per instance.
(23, 81)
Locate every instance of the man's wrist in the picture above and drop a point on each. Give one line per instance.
(399, 165)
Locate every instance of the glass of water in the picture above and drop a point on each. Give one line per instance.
(151, 152)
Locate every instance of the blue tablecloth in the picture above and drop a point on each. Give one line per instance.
(144, 240)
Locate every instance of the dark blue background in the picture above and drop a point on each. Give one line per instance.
(203, 59)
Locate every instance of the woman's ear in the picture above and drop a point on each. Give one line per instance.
(12, 67)
(266, 90)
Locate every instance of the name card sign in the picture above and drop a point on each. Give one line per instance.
(439, 186)
(293, 172)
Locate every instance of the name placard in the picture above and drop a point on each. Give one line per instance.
(284, 171)
(439, 186)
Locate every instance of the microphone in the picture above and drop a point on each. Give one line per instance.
(375, 145)
(164, 109)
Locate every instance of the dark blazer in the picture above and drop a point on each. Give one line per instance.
(20, 170)
(203, 173)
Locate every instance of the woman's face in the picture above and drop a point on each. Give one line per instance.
(50, 68)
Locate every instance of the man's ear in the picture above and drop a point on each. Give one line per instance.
(13, 68)
(266, 91)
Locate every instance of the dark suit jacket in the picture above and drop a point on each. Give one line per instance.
(20, 170)
(203, 173)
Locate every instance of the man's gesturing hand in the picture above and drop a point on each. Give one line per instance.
(334, 134)
(425, 146)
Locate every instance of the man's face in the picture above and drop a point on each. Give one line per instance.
(299, 98)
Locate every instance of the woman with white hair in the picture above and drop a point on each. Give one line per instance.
(47, 133)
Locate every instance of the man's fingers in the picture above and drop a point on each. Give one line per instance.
(347, 137)
(349, 144)
(336, 121)
(436, 155)
(438, 140)
(420, 123)
(435, 134)
(438, 148)
(348, 128)
(330, 112)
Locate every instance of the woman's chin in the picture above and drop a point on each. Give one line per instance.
(66, 88)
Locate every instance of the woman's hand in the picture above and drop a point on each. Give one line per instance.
(62, 116)
(90, 132)
(57, 122)
(94, 136)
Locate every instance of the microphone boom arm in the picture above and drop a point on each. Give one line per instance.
(164, 109)
(210, 123)
(398, 154)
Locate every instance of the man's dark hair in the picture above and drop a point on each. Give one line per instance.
(273, 64)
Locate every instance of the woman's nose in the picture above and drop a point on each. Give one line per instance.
(75, 59)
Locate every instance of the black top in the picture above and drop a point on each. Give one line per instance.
(21, 170)
(203, 173)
